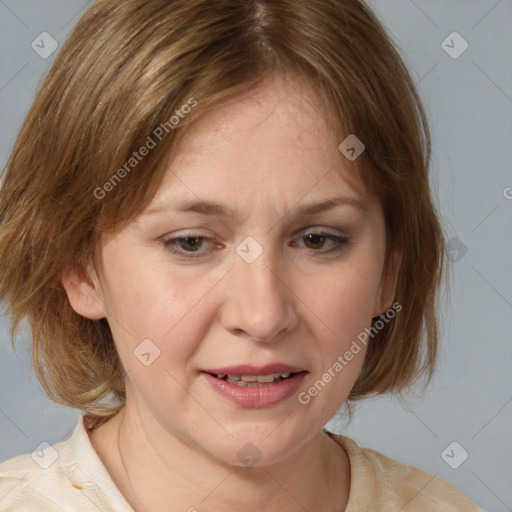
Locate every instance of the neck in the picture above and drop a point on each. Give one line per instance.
(152, 468)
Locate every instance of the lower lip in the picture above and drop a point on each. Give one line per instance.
(256, 396)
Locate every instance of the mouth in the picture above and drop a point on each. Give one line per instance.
(250, 386)
(254, 380)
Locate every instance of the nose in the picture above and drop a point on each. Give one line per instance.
(260, 301)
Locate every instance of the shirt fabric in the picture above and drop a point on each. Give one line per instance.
(71, 477)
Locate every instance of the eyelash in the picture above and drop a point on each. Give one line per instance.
(171, 243)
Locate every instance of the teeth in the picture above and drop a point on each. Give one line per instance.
(267, 378)
(254, 380)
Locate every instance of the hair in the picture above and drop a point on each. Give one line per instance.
(129, 66)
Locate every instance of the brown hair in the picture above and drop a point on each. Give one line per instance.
(125, 70)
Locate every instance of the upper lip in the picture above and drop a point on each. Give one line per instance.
(246, 369)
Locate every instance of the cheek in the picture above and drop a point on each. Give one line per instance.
(143, 298)
(153, 311)
(344, 300)
(344, 314)
(340, 311)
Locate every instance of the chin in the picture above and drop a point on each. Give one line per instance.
(257, 446)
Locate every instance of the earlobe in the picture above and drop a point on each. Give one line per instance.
(388, 284)
(84, 291)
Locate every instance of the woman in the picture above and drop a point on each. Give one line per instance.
(217, 221)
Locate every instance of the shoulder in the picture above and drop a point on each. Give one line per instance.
(377, 479)
(29, 481)
(66, 476)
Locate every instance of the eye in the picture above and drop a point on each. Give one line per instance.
(316, 241)
(190, 245)
(187, 246)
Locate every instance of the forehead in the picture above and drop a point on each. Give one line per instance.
(277, 140)
(283, 112)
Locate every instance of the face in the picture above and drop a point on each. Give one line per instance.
(256, 262)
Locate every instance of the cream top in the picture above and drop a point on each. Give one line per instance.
(70, 476)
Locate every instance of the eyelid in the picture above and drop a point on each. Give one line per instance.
(321, 229)
(338, 241)
(170, 241)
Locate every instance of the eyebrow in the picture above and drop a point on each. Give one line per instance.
(206, 208)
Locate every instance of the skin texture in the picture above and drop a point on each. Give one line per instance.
(264, 154)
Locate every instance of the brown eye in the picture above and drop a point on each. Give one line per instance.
(190, 243)
(316, 241)
(187, 246)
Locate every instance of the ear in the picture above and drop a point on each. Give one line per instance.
(388, 283)
(84, 291)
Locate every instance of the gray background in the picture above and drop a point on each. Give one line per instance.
(469, 103)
